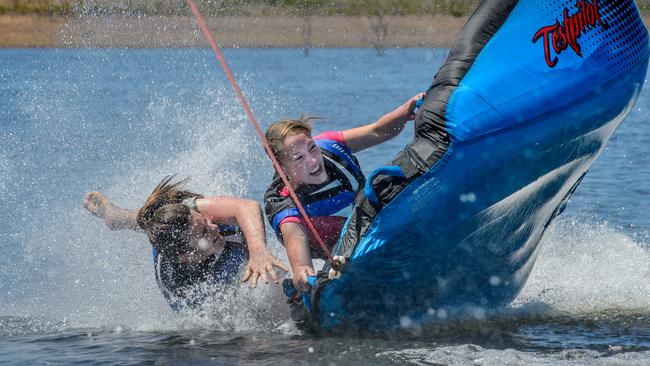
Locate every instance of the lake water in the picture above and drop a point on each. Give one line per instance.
(118, 120)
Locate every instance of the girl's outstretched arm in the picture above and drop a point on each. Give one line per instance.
(116, 218)
(247, 214)
(295, 240)
(384, 129)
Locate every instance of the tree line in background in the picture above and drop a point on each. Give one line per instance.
(248, 7)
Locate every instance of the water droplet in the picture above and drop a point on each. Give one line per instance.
(468, 197)
(204, 244)
(405, 322)
(495, 280)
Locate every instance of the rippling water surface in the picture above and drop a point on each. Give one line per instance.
(118, 120)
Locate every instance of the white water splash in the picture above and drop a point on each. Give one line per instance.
(472, 355)
(5, 171)
(78, 273)
(585, 267)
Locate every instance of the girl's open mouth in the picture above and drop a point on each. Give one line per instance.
(316, 172)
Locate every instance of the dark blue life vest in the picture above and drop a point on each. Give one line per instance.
(184, 286)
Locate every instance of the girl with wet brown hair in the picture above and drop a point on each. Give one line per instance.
(195, 239)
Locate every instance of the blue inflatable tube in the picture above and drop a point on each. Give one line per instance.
(527, 99)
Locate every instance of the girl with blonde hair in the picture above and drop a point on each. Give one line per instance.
(325, 176)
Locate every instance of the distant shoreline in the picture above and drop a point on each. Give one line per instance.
(34, 31)
(179, 31)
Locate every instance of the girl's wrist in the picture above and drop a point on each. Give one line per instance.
(305, 270)
(257, 250)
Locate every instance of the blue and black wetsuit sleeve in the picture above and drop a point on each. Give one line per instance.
(277, 207)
